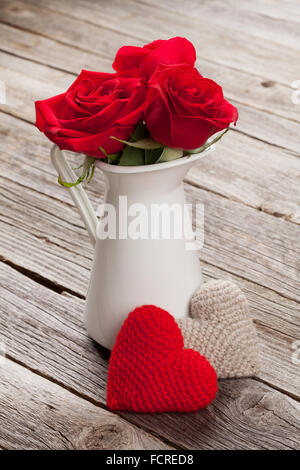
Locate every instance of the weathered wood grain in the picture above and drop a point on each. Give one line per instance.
(238, 86)
(253, 173)
(252, 90)
(37, 414)
(38, 49)
(52, 25)
(271, 8)
(221, 44)
(28, 84)
(268, 127)
(43, 331)
(241, 16)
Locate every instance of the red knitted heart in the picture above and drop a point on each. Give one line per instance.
(149, 371)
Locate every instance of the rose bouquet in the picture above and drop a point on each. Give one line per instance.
(156, 107)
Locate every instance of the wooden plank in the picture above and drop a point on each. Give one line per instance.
(239, 16)
(36, 48)
(250, 244)
(40, 415)
(238, 239)
(55, 26)
(254, 173)
(27, 84)
(43, 330)
(268, 128)
(269, 8)
(239, 87)
(218, 43)
(252, 90)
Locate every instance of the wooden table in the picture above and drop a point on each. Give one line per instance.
(53, 378)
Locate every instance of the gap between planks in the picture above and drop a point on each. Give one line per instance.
(106, 65)
(237, 177)
(284, 142)
(139, 20)
(38, 62)
(163, 443)
(275, 138)
(40, 414)
(271, 345)
(46, 7)
(55, 287)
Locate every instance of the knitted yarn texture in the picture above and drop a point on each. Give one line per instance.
(149, 371)
(221, 329)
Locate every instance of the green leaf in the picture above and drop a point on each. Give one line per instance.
(169, 154)
(141, 132)
(209, 143)
(91, 174)
(78, 167)
(132, 157)
(151, 156)
(147, 143)
(111, 157)
(86, 175)
(70, 185)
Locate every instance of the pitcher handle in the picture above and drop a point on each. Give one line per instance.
(78, 194)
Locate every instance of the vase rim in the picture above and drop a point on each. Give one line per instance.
(109, 168)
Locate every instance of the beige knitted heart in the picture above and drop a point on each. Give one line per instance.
(222, 330)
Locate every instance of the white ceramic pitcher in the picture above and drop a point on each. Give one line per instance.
(128, 273)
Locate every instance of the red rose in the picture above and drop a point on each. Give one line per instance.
(183, 109)
(143, 61)
(95, 107)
